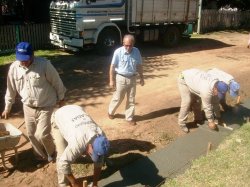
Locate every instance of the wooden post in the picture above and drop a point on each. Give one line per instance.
(209, 147)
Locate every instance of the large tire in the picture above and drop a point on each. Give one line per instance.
(171, 37)
(108, 41)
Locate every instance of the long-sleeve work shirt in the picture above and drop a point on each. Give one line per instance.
(39, 85)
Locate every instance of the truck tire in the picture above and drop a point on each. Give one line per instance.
(171, 37)
(108, 40)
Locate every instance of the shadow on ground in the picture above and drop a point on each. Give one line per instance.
(151, 115)
(238, 114)
(26, 162)
(85, 74)
(148, 172)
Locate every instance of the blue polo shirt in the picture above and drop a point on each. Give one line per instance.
(125, 63)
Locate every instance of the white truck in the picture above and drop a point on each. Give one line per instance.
(102, 23)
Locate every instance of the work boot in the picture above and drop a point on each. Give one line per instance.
(111, 116)
(132, 122)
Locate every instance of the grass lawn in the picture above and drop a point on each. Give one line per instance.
(8, 58)
(228, 165)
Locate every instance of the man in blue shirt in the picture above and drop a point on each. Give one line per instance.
(125, 64)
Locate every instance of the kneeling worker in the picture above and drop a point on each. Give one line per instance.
(75, 133)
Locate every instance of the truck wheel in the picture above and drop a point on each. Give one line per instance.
(171, 37)
(108, 41)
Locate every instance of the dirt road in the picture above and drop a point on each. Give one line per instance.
(157, 103)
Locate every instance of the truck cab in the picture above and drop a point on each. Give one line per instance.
(102, 23)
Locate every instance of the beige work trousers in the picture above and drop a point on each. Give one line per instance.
(124, 86)
(189, 101)
(61, 145)
(37, 121)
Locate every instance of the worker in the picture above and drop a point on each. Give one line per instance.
(198, 88)
(125, 64)
(41, 88)
(75, 133)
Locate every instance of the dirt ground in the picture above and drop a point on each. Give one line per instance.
(157, 103)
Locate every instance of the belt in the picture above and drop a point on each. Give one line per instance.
(127, 76)
(33, 107)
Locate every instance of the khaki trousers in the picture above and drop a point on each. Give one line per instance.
(189, 101)
(37, 121)
(61, 145)
(124, 86)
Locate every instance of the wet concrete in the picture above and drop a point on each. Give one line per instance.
(177, 156)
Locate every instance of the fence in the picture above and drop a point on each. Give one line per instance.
(38, 34)
(212, 20)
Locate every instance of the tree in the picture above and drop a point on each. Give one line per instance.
(240, 4)
(24, 11)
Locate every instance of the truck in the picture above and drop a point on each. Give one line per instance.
(77, 24)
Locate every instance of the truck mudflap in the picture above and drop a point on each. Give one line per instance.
(66, 42)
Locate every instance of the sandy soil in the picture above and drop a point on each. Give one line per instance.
(157, 103)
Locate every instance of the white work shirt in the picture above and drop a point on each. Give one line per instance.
(201, 84)
(221, 75)
(39, 85)
(78, 129)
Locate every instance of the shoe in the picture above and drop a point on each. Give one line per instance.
(132, 122)
(184, 128)
(111, 116)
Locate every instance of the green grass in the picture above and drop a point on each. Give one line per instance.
(8, 58)
(228, 165)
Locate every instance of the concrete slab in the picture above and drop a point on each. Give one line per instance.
(177, 156)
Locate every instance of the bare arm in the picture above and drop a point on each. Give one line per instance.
(112, 76)
(72, 180)
(96, 176)
(140, 71)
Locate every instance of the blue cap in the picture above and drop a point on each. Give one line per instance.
(100, 148)
(234, 88)
(24, 51)
(222, 89)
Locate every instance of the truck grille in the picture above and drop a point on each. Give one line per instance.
(62, 21)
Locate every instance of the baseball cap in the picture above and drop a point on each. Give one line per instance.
(24, 51)
(234, 88)
(222, 89)
(100, 148)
